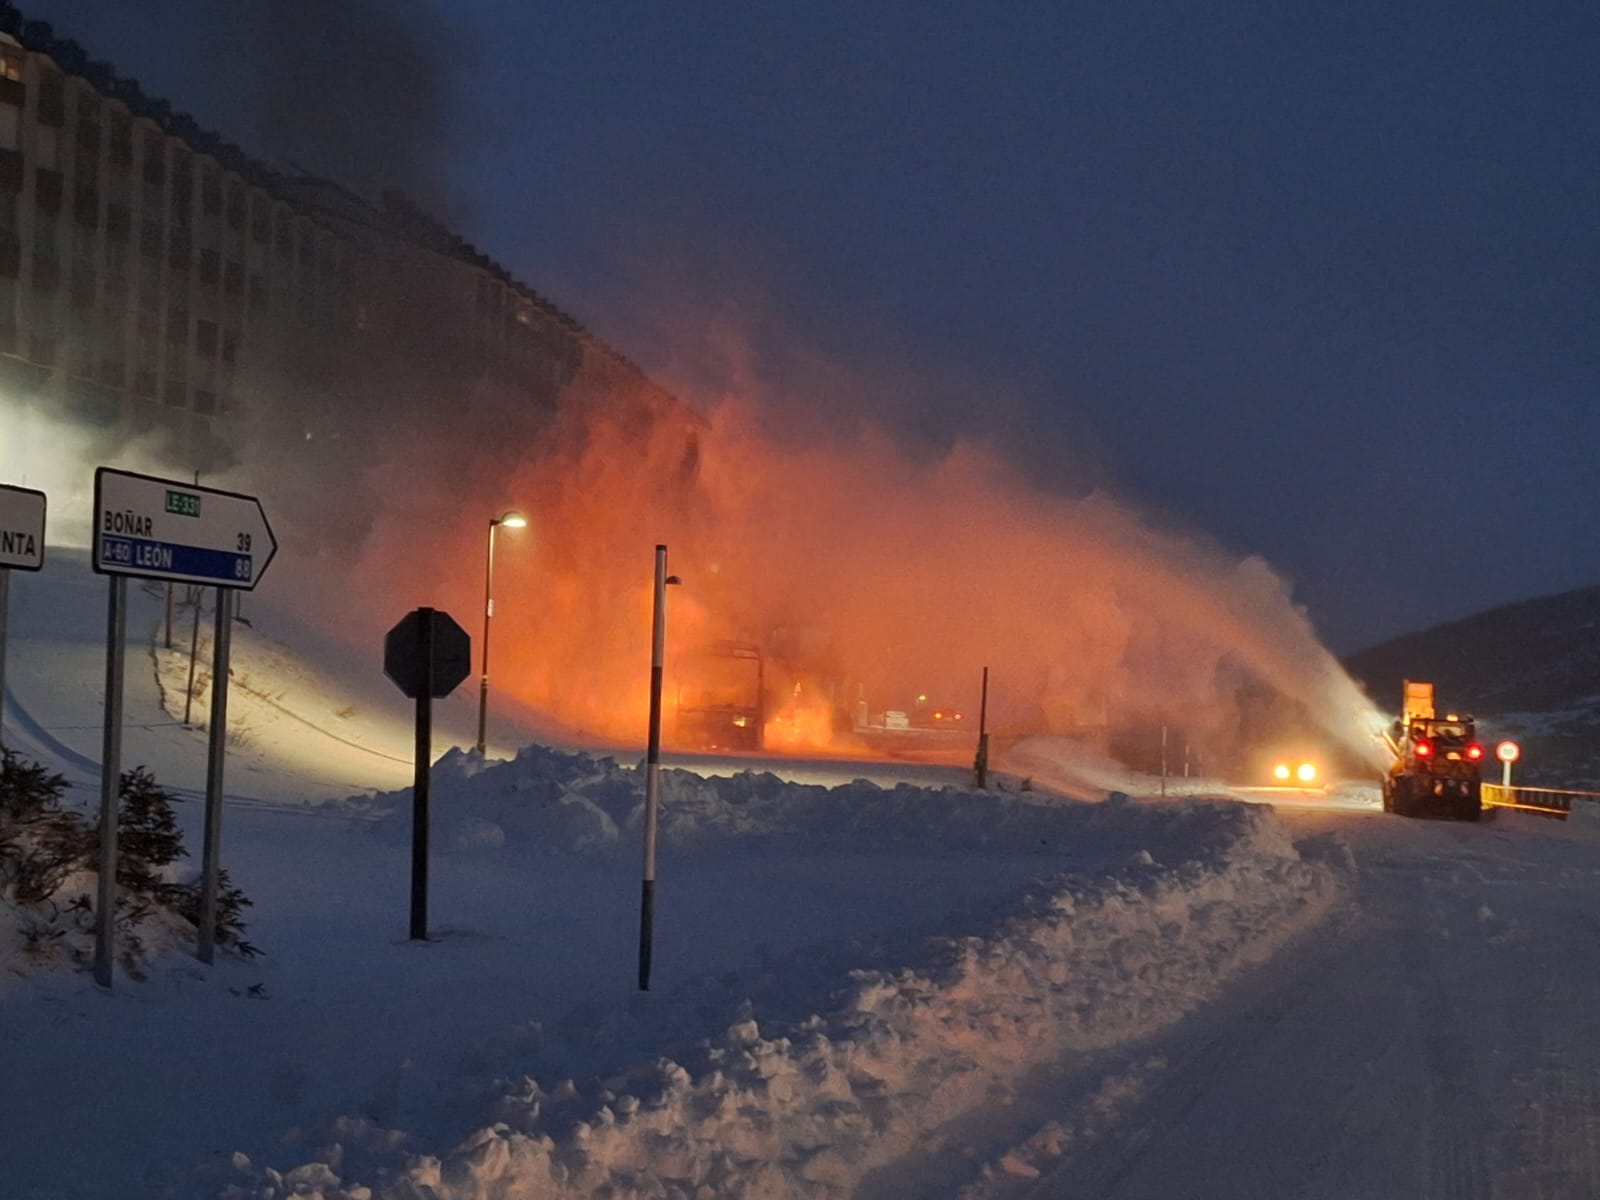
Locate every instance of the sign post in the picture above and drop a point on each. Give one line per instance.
(427, 655)
(1507, 752)
(652, 770)
(179, 532)
(21, 549)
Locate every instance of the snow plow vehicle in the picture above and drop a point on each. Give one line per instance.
(1438, 762)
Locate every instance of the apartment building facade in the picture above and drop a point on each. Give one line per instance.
(156, 279)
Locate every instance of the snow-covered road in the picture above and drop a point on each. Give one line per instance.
(1438, 1037)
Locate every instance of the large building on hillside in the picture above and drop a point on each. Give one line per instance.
(154, 277)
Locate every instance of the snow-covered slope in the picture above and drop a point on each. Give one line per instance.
(862, 986)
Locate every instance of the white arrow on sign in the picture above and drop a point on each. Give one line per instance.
(21, 528)
(166, 529)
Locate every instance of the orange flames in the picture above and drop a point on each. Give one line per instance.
(862, 576)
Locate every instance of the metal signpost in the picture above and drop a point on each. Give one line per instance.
(980, 764)
(21, 549)
(427, 655)
(652, 771)
(166, 529)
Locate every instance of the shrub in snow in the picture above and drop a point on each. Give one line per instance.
(49, 857)
(40, 845)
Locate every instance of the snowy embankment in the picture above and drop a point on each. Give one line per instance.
(806, 1076)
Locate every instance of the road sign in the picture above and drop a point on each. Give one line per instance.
(405, 658)
(166, 529)
(1508, 752)
(427, 654)
(21, 528)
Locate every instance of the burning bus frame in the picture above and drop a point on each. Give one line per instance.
(719, 707)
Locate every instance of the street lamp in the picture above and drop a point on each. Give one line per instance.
(511, 520)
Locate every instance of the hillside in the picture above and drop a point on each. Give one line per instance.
(1529, 670)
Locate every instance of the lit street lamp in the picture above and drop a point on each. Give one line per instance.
(511, 520)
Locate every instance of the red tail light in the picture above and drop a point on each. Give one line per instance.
(1424, 748)
(1474, 752)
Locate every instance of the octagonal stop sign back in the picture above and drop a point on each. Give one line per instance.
(421, 635)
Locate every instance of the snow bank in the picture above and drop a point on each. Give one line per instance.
(555, 802)
(809, 1105)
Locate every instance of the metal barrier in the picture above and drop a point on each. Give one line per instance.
(1546, 802)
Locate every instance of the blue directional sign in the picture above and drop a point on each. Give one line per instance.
(167, 529)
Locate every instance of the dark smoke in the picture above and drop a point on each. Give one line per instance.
(360, 91)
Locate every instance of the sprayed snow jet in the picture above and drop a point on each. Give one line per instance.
(865, 573)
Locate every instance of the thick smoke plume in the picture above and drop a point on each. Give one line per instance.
(866, 576)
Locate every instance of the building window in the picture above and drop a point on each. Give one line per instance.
(83, 352)
(210, 267)
(235, 206)
(44, 235)
(233, 279)
(230, 348)
(52, 99)
(12, 59)
(121, 144)
(205, 403)
(47, 190)
(176, 393)
(155, 158)
(205, 338)
(82, 295)
(210, 192)
(182, 200)
(88, 124)
(86, 207)
(116, 265)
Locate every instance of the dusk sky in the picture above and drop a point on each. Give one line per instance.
(1321, 283)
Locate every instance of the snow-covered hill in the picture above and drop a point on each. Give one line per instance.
(1529, 671)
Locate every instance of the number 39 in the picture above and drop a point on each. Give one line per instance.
(244, 543)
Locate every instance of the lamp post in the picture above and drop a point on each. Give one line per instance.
(511, 520)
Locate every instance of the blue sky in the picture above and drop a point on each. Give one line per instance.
(1316, 281)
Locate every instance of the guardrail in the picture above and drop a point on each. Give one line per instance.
(1555, 803)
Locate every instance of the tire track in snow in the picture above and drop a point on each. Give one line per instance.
(1135, 1097)
(1454, 1113)
(1554, 1146)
